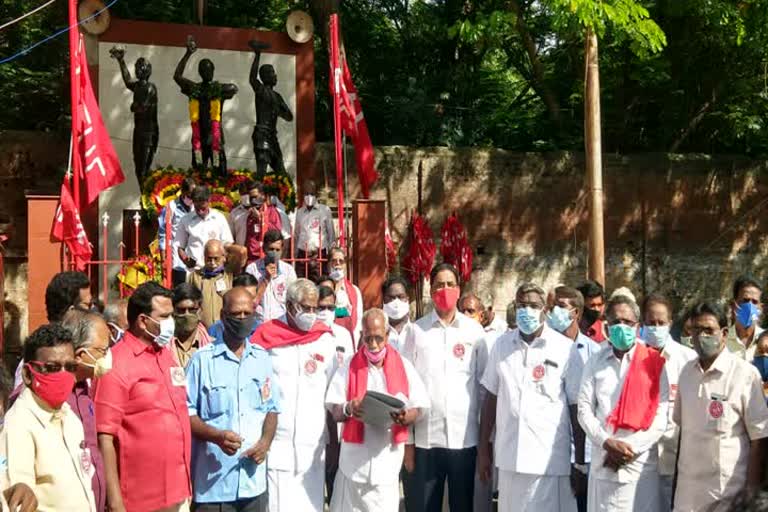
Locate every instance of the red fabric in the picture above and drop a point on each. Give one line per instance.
(350, 322)
(276, 334)
(93, 156)
(397, 382)
(256, 228)
(142, 402)
(68, 228)
(454, 247)
(639, 397)
(420, 256)
(595, 331)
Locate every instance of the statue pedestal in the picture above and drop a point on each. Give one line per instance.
(369, 259)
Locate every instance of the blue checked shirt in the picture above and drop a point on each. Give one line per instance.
(229, 394)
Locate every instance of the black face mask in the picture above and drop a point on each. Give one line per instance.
(239, 328)
(591, 316)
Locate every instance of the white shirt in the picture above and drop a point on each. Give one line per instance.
(178, 210)
(302, 373)
(272, 305)
(498, 325)
(375, 461)
(719, 412)
(194, 233)
(314, 228)
(676, 357)
(582, 348)
(445, 356)
(601, 385)
(397, 339)
(238, 223)
(739, 347)
(533, 429)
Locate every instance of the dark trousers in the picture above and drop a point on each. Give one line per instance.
(433, 467)
(178, 277)
(258, 504)
(581, 503)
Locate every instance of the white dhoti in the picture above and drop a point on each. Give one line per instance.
(349, 496)
(292, 492)
(639, 496)
(519, 492)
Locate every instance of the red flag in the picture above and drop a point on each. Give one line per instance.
(454, 247)
(418, 260)
(336, 92)
(353, 123)
(68, 229)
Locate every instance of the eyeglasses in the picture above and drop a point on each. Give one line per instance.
(53, 367)
(373, 339)
(184, 311)
(329, 307)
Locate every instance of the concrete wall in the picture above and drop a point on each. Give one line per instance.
(681, 225)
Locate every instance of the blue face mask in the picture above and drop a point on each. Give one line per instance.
(746, 314)
(761, 363)
(655, 335)
(528, 320)
(559, 319)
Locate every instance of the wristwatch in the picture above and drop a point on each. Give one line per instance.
(581, 468)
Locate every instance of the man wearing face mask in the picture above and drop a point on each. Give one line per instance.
(251, 285)
(315, 233)
(296, 467)
(178, 208)
(565, 311)
(623, 403)
(442, 346)
(746, 311)
(233, 406)
(116, 316)
(397, 307)
(526, 404)
(371, 455)
(591, 323)
(90, 338)
(41, 438)
(189, 333)
(657, 321)
(213, 281)
(274, 277)
(261, 216)
(723, 420)
(141, 412)
(349, 300)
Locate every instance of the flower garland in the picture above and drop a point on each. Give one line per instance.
(281, 185)
(213, 92)
(143, 268)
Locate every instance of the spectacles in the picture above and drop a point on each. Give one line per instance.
(373, 339)
(54, 367)
(329, 307)
(184, 311)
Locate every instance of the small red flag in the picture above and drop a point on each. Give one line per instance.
(68, 228)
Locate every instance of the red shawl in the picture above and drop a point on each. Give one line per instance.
(275, 334)
(350, 322)
(639, 397)
(397, 382)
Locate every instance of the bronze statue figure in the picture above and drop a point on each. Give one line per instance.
(269, 106)
(206, 104)
(144, 108)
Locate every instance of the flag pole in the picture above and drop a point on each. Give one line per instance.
(75, 45)
(336, 80)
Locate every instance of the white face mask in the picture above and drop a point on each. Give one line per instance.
(309, 200)
(337, 274)
(102, 366)
(245, 200)
(304, 321)
(327, 317)
(397, 309)
(167, 328)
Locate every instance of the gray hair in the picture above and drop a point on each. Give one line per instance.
(112, 311)
(375, 312)
(82, 325)
(531, 288)
(299, 290)
(619, 300)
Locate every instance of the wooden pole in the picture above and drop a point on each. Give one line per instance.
(594, 162)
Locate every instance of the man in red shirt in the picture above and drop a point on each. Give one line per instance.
(592, 323)
(141, 412)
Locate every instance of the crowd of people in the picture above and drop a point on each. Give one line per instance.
(251, 391)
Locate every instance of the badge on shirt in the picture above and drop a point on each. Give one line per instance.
(672, 392)
(716, 409)
(177, 376)
(310, 367)
(538, 372)
(458, 351)
(221, 286)
(340, 355)
(86, 463)
(266, 390)
(318, 357)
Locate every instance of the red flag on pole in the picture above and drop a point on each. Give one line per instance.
(68, 228)
(336, 92)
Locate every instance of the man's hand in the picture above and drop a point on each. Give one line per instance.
(20, 498)
(191, 45)
(258, 452)
(355, 408)
(258, 45)
(254, 213)
(116, 508)
(409, 460)
(405, 416)
(229, 442)
(618, 453)
(271, 271)
(484, 462)
(190, 262)
(578, 482)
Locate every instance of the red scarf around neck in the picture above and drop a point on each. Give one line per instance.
(276, 333)
(397, 382)
(639, 397)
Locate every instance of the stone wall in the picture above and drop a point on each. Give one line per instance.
(680, 225)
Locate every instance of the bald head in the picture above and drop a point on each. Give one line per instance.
(214, 254)
(238, 302)
(375, 329)
(471, 305)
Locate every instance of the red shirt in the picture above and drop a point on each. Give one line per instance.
(595, 331)
(142, 402)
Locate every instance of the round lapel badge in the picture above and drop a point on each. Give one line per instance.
(310, 367)
(538, 372)
(458, 350)
(715, 409)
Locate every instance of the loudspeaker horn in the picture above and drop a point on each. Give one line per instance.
(300, 27)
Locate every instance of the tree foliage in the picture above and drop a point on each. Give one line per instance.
(679, 75)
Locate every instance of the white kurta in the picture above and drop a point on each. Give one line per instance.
(367, 480)
(533, 428)
(635, 486)
(297, 456)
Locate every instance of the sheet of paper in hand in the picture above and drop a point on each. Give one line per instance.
(377, 407)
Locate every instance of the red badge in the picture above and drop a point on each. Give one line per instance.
(715, 409)
(318, 357)
(266, 390)
(458, 350)
(672, 392)
(538, 372)
(310, 367)
(281, 288)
